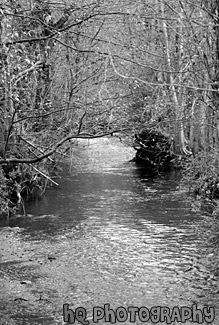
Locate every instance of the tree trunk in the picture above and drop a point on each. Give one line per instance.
(180, 142)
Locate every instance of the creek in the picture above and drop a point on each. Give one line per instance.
(107, 234)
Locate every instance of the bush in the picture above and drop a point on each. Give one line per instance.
(17, 181)
(202, 174)
(4, 195)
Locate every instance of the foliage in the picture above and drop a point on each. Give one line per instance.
(17, 181)
(4, 195)
(202, 174)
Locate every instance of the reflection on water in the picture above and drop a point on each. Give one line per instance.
(108, 234)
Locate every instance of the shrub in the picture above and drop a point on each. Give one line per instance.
(202, 174)
(4, 195)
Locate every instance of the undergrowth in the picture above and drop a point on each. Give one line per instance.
(4, 195)
(202, 176)
(201, 173)
(21, 181)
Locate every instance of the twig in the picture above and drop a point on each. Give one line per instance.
(41, 151)
(81, 122)
(47, 177)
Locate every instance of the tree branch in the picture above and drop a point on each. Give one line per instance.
(56, 146)
(81, 123)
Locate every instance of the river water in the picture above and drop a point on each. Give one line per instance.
(107, 234)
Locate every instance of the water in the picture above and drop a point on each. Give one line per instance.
(107, 234)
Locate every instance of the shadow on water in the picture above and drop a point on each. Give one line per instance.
(108, 234)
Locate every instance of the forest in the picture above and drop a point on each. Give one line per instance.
(92, 68)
